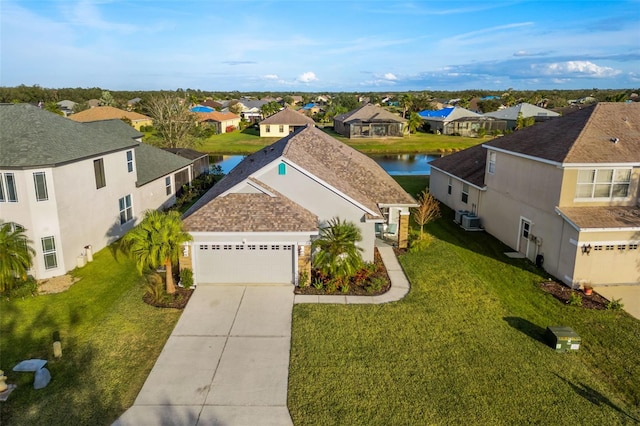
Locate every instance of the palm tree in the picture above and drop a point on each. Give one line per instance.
(335, 252)
(414, 122)
(16, 255)
(157, 241)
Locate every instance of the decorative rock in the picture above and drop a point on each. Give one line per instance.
(3, 378)
(42, 379)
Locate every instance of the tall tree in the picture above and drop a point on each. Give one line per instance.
(107, 99)
(16, 255)
(157, 241)
(406, 102)
(172, 120)
(336, 253)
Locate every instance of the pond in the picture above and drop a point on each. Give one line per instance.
(394, 164)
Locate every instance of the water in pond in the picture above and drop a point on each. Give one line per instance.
(394, 164)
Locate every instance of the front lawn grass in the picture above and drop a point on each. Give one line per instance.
(110, 341)
(465, 346)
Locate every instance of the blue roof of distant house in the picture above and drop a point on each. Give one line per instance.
(487, 98)
(444, 112)
(201, 108)
(309, 106)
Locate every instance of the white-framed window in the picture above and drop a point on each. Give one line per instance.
(227, 247)
(603, 183)
(492, 162)
(465, 193)
(281, 128)
(204, 247)
(597, 248)
(267, 128)
(275, 247)
(126, 209)
(263, 247)
(130, 161)
(239, 247)
(252, 246)
(633, 247)
(167, 185)
(8, 188)
(450, 185)
(49, 252)
(98, 171)
(40, 183)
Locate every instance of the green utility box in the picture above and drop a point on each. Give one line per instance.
(563, 339)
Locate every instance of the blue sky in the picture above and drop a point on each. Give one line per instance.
(309, 45)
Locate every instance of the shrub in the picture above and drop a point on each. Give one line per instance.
(154, 288)
(482, 132)
(230, 129)
(376, 284)
(186, 278)
(575, 300)
(317, 284)
(22, 289)
(615, 304)
(303, 279)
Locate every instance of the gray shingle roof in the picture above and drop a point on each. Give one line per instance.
(468, 164)
(603, 216)
(347, 170)
(288, 116)
(582, 137)
(32, 137)
(527, 110)
(369, 113)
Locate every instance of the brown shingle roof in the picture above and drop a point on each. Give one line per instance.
(347, 170)
(288, 116)
(468, 165)
(603, 217)
(106, 113)
(585, 136)
(369, 113)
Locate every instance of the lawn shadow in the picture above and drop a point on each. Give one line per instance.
(527, 327)
(594, 397)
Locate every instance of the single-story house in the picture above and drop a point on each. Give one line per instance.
(510, 115)
(369, 121)
(256, 225)
(223, 121)
(459, 121)
(67, 107)
(101, 113)
(283, 122)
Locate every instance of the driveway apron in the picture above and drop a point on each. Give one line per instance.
(225, 363)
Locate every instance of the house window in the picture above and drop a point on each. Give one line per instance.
(239, 247)
(252, 247)
(597, 248)
(8, 192)
(167, 184)
(282, 169)
(450, 185)
(633, 247)
(603, 183)
(281, 128)
(227, 247)
(609, 247)
(129, 161)
(287, 247)
(215, 247)
(204, 247)
(465, 193)
(267, 128)
(526, 227)
(126, 211)
(263, 247)
(274, 247)
(40, 182)
(98, 170)
(49, 252)
(492, 162)
(622, 247)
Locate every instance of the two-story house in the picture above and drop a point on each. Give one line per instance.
(563, 193)
(75, 186)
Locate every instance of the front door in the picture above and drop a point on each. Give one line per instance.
(525, 231)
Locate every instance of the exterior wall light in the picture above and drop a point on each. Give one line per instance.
(586, 248)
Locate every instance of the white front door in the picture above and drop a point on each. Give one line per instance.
(523, 240)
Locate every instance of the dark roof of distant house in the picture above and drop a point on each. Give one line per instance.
(369, 113)
(211, 103)
(468, 164)
(607, 132)
(33, 137)
(288, 116)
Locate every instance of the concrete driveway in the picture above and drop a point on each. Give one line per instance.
(225, 363)
(630, 295)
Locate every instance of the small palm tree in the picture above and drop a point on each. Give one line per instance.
(335, 252)
(16, 255)
(157, 241)
(414, 122)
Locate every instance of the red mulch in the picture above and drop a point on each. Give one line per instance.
(563, 293)
(177, 300)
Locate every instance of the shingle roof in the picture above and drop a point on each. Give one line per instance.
(151, 163)
(603, 217)
(106, 113)
(288, 116)
(217, 116)
(348, 171)
(585, 136)
(468, 165)
(32, 137)
(527, 110)
(448, 114)
(369, 113)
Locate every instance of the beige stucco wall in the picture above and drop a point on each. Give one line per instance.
(137, 124)
(570, 180)
(233, 122)
(438, 187)
(274, 130)
(604, 266)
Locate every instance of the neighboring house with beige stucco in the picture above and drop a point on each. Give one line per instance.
(562, 193)
(223, 122)
(77, 185)
(102, 113)
(283, 122)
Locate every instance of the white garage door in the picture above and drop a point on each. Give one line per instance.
(244, 263)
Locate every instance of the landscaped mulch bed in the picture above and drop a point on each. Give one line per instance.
(354, 290)
(563, 293)
(177, 300)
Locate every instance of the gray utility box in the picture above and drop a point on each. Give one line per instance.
(563, 339)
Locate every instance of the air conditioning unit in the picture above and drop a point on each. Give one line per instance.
(470, 222)
(459, 214)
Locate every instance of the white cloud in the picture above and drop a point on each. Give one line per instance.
(390, 76)
(307, 77)
(271, 77)
(586, 68)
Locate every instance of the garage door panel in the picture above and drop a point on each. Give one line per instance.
(235, 263)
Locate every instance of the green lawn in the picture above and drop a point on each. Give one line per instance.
(110, 341)
(465, 346)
